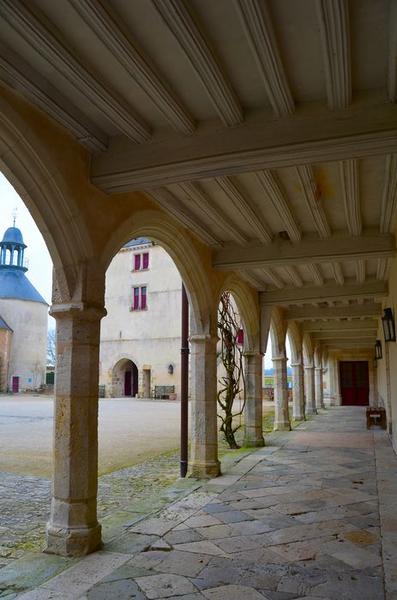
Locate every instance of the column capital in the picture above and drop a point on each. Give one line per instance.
(203, 338)
(78, 310)
(252, 354)
(296, 364)
(276, 358)
(308, 366)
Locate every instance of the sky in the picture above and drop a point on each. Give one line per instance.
(37, 257)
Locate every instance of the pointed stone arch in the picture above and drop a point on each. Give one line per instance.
(278, 331)
(164, 230)
(308, 350)
(26, 162)
(295, 340)
(248, 307)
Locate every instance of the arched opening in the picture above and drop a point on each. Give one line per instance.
(124, 379)
(26, 400)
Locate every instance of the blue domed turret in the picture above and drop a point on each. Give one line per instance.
(13, 281)
(13, 235)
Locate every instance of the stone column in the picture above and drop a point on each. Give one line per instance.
(310, 393)
(73, 528)
(319, 387)
(298, 396)
(253, 434)
(204, 442)
(281, 418)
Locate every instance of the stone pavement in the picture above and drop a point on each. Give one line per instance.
(313, 517)
(25, 503)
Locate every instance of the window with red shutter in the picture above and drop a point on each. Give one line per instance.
(145, 260)
(135, 305)
(143, 298)
(137, 262)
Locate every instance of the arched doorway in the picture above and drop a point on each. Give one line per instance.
(125, 379)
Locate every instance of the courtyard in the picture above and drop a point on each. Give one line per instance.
(311, 515)
(130, 431)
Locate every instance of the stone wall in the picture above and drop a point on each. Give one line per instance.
(5, 348)
(150, 338)
(28, 356)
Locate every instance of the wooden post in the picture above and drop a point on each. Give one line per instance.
(184, 383)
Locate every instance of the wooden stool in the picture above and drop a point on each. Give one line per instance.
(376, 415)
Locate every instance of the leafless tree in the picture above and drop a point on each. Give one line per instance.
(232, 383)
(51, 347)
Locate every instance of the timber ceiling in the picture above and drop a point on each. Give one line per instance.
(267, 127)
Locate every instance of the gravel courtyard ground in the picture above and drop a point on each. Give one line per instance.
(130, 431)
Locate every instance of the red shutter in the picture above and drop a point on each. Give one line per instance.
(136, 298)
(137, 262)
(145, 257)
(240, 337)
(143, 298)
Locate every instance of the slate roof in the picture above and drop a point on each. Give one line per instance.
(15, 284)
(138, 242)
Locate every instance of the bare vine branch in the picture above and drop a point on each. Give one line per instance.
(231, 356)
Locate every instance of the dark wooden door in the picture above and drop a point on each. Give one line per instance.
(127, 383)
(15, 385)
(354, 382)
(134, 384)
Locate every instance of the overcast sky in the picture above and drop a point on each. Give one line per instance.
(37, 257)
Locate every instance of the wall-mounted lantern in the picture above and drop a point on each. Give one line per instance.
(389, 328)
(171, 369)
(378, 350)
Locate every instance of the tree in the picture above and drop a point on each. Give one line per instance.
(51, 347)
(232, 383)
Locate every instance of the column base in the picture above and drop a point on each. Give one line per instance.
(311, 411)
(300, 418)
(281, 426)
(205, 470)
(254, 442)
(72, 542)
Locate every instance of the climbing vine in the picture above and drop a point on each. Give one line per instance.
(232, 382)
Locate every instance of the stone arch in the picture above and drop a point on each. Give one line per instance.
(318, 356)
(26, 162)
(295, 341)
(165, 231)
(120, 380)
(277, 333)
(248, 309)
(308, 351)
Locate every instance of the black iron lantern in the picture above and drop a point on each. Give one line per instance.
(378, 350)
(389, 328)
(171, 369)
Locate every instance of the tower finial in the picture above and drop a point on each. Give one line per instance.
(14, 216)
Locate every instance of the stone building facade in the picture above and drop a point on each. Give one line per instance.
(140, 336)
(23, 320)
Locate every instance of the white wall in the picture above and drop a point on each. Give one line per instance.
(29, 321)
(387, 374)
(150, 338)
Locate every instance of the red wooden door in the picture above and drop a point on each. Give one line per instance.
(127, 383)
(354, 383)
(15, 385)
